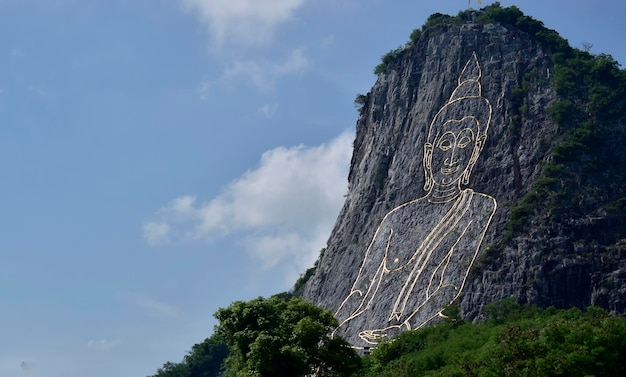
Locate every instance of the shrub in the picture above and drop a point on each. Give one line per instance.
(388, 60)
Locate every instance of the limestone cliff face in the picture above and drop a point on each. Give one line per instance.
(381, 277)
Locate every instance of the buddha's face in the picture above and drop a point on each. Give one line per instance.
(454, 150)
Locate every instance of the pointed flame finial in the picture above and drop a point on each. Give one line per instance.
(468, 84)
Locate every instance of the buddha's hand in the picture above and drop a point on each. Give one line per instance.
(378, 335)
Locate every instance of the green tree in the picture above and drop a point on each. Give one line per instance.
(170, 369)
(388, 61)
(204, 360)
(360, 101)
(282, 336)
(516, 341)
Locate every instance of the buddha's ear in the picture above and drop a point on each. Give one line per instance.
(428, 160)
(480, 141)
(428, 155)
(478, 147)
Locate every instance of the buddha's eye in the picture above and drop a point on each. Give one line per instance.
(466, 137)
(446, 142)
(464, 142)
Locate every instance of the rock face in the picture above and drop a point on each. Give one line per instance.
(441, 157)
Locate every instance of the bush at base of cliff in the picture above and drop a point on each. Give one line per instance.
(514, 341)
(204, 360)
(282, 336)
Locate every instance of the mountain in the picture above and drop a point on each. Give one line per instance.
(488, 163)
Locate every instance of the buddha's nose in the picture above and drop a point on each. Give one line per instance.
(451, 158)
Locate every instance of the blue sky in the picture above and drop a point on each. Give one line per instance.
(163, 158)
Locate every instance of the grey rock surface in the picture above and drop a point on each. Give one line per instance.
(550, 263)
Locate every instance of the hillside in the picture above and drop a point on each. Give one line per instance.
(535, 209)
(486, 208)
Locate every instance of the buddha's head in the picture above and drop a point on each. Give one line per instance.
(457, 133)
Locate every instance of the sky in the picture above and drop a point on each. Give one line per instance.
(161, 159)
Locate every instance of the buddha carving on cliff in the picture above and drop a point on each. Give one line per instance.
(420, 256)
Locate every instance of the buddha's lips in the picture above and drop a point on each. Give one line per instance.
(449, 170)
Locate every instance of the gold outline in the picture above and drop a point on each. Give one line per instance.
(454, 223)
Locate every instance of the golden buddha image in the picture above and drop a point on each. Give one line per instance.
(420, 256)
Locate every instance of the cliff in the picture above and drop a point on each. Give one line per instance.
(485, 166)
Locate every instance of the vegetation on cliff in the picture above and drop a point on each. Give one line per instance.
(583, 177)
(203, 360)
(583, 169)
(513, 341)
(279, 337)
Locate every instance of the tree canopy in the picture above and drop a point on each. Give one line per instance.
(282, 336)
(514, 341)
(203, 360)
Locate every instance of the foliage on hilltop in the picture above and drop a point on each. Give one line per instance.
(584, 172)
(513, 341)
(282, 336)
(278, 337)
(203, 360)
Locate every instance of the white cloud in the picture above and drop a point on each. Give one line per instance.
(237, 28)
(204, 90)
(262, 73)
(156, 233)
(259, 73)
(296, 63)
(102, 344)
(284, 209)
(243, 22)
(327, 41)
(266, 110)
(153, 307)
